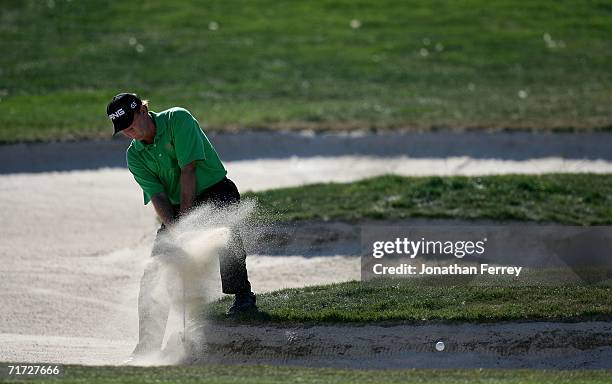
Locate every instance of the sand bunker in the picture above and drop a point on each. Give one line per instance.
(74, 243)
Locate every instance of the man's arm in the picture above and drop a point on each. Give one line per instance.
(188, 187)
(163, 208)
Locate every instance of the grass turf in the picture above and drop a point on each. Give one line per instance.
(324, 64)
(570, 199)
(580, 199)
(411, 300)
(271, 374)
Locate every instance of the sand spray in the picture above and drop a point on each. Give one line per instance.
(180, 275)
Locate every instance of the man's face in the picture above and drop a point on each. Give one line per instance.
(139, 129)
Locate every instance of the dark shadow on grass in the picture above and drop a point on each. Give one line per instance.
(249, 317)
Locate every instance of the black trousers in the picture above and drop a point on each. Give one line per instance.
(234, 277)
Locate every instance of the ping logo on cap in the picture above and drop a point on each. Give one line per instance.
(118, 113)
(133, 105)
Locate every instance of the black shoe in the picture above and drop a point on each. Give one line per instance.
(243, 303)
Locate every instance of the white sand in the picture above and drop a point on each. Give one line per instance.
(275, 173)
(74, 243)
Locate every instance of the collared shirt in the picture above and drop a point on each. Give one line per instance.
(178, 141)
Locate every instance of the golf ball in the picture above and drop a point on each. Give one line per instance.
(440, 346)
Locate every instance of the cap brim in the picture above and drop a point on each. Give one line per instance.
(117, 131)
(123, 122)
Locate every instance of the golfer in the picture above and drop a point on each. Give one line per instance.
(177, 168)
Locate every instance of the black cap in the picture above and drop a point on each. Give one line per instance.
(121, 110)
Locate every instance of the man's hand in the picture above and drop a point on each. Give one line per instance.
(163, 208)
(188, 187)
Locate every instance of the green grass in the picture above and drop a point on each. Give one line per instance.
(413, 301)
(269, 374)
(581, 199)
(301, 64)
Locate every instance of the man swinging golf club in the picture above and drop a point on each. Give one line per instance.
(177, 168)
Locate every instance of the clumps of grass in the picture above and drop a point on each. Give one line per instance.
(412, 301)
(235, 373)
(578, 199)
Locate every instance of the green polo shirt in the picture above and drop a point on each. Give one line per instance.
(179, 140)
